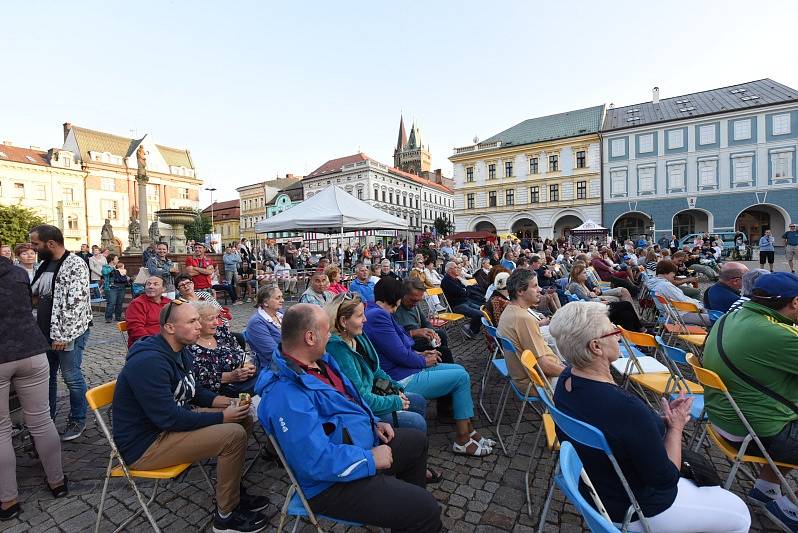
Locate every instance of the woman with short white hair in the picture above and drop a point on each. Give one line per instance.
(646, 444)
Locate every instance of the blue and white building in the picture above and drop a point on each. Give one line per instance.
(715, 161)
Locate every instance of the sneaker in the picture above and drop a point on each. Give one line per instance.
(72, 431)
(780, 518)
(239, 522)
(760, 499)
(252, 502)
(467, 332)
(10, 513)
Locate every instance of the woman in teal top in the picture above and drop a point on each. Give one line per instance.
(358, 360)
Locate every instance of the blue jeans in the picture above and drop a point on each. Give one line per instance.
(472, 311)
(440, 380)
(414, 417)
(113, 307)
(69, 363)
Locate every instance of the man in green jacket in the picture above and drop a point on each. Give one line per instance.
(761, 340)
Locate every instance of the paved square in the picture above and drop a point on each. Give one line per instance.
(475, 495)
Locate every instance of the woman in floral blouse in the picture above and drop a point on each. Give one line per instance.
(220, 364)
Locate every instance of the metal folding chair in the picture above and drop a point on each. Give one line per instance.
(122, 327)
(490, 331)
(571, 471)
(737, 457)
(501, 365)
(590, 436)
(295, 504)
(447, 317)
(99, 398)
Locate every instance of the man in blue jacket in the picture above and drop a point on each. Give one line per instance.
(362, 284)
(162, 418)
(339, 452)
(726, 290)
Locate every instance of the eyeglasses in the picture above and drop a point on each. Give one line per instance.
(185, 284)
(169, 307)
(616, 331)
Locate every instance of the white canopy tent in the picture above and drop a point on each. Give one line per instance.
(331, 211)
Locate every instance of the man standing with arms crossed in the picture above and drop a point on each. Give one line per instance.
(200, 268)
(791, 245)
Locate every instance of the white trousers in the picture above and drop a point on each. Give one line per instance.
(700, 509)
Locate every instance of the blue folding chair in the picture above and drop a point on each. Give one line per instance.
(571, 471)
(491, 331)
(589, 436)
(296, 505)
(501, 365)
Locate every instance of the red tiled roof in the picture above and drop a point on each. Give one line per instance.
(334, 165)
(23, 155)
(226, 210)
(420, 180)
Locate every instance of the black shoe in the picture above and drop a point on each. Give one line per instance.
(73, 430)
(239, 522)
(252, 502)
(60, 491)
(10, 513)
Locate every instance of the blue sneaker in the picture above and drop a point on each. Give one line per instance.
(780, 518)
(760, 499)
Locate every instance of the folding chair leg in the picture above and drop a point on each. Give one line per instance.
(145, 509)
(517, 424)
(484, 385)
(102, 495)
(284, 510)
(296, 525)
(547, 503)
(529, 468)
(505, 394)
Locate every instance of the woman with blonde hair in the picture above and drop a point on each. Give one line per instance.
(358, 360)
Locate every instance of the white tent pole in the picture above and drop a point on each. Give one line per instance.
(341, 244)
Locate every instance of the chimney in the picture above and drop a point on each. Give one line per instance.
(655, 98)
(437, 175)
(67, 127)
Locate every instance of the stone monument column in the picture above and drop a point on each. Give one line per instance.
(142, 179)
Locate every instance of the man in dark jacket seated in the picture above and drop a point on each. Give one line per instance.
(339, 452)
(162, 418)
(458, 297)
(726, 290)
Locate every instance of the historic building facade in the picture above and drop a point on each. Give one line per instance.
(399, 193)
(254, 199)
(226, 219)
(541, 177)
(110, 164)
(49, 182)
(715, 161)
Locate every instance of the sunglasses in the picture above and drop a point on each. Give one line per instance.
(169, 308)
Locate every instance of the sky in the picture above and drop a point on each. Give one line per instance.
(257, 89)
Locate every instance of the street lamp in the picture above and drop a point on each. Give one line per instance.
(211, 190)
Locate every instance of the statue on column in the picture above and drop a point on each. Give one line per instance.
(155, 232)
(141, 162)
(134, 234)
(107, 236)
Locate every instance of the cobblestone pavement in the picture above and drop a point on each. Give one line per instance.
(476, 494)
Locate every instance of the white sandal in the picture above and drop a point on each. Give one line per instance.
(482, 440)
(462, 449)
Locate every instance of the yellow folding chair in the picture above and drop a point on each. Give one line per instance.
(533, 370)
(447, 316)
(738, 457)
(122, 327)
(99, 398)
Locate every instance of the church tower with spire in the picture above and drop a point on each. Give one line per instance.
(411, 155)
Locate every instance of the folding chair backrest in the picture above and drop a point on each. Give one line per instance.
(530, 364)
(671, 352)
(485, 316)
(571, 471)
(506, 344)
(639, 339)
(687, 307)
(489, 329)
(707, 378)
(101, 396)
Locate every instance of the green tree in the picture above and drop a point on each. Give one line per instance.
(196, 230)
(443, 226)
(15, 223)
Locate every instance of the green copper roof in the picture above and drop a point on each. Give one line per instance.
(559, 126)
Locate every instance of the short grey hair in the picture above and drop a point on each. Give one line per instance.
(749, 280)
(573, 327)
(205, 307)
(449, 266)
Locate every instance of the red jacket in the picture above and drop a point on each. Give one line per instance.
(142, 317)
(604, 271)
